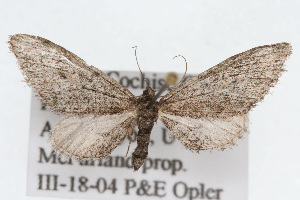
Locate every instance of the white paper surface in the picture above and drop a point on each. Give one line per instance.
(170, 172)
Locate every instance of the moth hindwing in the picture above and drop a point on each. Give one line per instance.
(207, 112)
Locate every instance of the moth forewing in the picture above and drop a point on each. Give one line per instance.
(65, 82)
(248, 78)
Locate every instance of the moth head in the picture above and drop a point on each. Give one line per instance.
(149, 92)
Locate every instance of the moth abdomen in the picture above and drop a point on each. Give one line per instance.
(140, 154)
(146, 118)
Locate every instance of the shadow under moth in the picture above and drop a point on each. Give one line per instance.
(206, 112)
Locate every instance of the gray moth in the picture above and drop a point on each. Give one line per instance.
(206, 112)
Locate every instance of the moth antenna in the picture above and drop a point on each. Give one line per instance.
(137, 62)
(162, 89)
(130, 134)
(184, 72)
(171, 79)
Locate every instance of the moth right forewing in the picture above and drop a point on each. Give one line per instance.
(230, 88)
(65, 82)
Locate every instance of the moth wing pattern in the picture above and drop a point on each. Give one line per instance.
(221, 97)
(91, 136)
(100, 111)
(64, 81)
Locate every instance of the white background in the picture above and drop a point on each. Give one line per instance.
(204, 31)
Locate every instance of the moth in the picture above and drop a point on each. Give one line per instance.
(206, 112)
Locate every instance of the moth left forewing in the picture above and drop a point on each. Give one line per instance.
(91, 136)
(205, 133)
